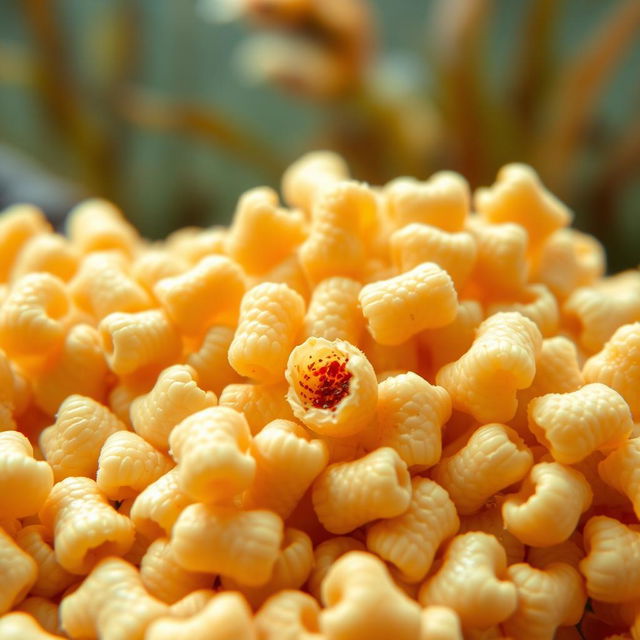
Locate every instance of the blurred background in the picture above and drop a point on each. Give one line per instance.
(171, 108)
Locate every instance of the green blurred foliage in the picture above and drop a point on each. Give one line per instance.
(143, 102)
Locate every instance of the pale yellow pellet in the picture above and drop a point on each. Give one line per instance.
(191, 244)
(128, 464)
(519, 196)
(557, 371)
(288, 615)
(226, 616)
(473, 581)
(536, 302)
(621, 470)
(290, 570)
(618, 366)
(97, 225)
(493, 458)
(72, 444)
(78, 367)
(271, 318)
(594, 313)
(45, 613)
(573, 425)
(333, 388)
(260, 403)
(501, 267)
(569, 259)
(211, 448)
(111, 604)
(343, 223)
(325, 554)
(153, 265)
(489, 520)
(207, 293)
(18, 626)
(18, 224)
(334, 312)
(287, 461)
(547, 599)
(155, 510)
(19, 573)
(210, 360)
(52, 577)
(347, 495)
(32, 318)
(85, 526)
(103, 285)
(164, 578)
(52, 253)
(501, 360)
(410, 541)
(410, 416)
(440, 623)
(449, 343)
(612, 564)
(133, 342)
(362, 602)
(397, 358)
(417, 243)
(25, 482)
(548, 506)
(262, 234)
(400, 307)
(304, 180)
(442, 201)
(243, 545)
(175, 396)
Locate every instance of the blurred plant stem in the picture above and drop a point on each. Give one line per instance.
(65, 102)
(578, 87)
(151, 111)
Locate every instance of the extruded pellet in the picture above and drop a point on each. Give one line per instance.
(290, 570)
(347, 495)
(573, 425)
(548, 506)
(493, 458)
(288, 460)
(226, 616)
(86, 528)
(111, 604)
(473, 581)
(211, 448)
(135, 342)
(271, 318)
(362, 602)
(209, 292)
(52, 577)
(175, 396)
(443, 201)
(501, 360)
(128, 464)
(32, 318)
(400, 307)
(288, 615)
(262, 234)
(410, 540)
(18, 626)
(416, 243)
(25, 482)
(334, 312)
(243, 545)
(72, 444)
(519, 196)
(19, 573)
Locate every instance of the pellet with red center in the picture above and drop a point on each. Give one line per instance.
(332, 387)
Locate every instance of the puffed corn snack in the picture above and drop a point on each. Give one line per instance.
(406, 412)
